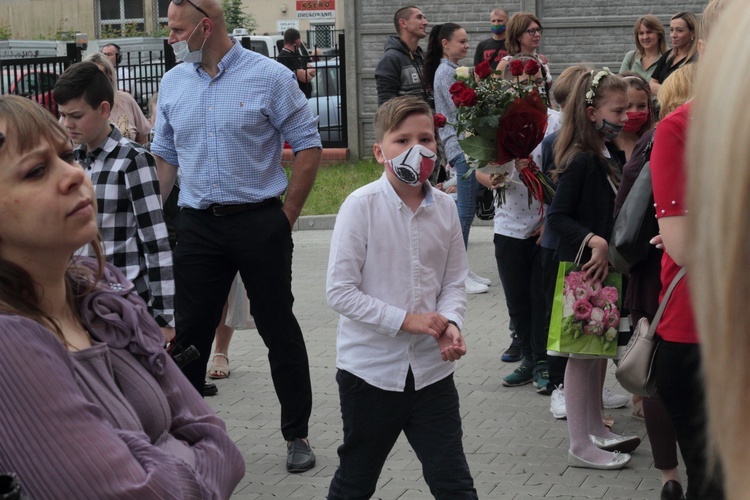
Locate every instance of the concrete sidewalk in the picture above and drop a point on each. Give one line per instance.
(515, 448)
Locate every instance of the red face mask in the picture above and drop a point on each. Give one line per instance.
(636, 119)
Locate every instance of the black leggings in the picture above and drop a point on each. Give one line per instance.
(680, 385)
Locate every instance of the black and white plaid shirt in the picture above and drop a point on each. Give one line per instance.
(131, 219)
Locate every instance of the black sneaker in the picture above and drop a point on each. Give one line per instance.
(513, 353)
(299, 456)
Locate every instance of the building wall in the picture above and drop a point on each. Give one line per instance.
(269, 14)
(30, 20)
(598, 32)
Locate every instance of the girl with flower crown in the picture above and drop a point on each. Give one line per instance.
(581, 214)
(93, 407)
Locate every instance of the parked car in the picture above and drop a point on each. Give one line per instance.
(325, 99)
(144, 81)
(31, 83)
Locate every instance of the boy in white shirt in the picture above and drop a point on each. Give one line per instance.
(396, 275)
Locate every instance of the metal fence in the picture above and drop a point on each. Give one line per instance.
(140, 73)
(35, 78)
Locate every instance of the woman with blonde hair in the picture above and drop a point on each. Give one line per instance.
(677, 365)
(93, 407)
(650, 44)
(718, 180)
(642, 293)
(126, 115)
(682, 32)
(677, 90)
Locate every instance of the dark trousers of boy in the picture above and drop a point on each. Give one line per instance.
(373, 420)
(257, 243)
(519, 262)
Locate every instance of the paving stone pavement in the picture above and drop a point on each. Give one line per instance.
(515, 448)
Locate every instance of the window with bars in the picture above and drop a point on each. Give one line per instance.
(116, 15)
(322, 35)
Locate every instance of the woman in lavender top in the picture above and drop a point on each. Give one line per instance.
(92, 406)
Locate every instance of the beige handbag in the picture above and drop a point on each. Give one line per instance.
(635, 371)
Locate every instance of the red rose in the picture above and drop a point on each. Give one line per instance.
(467, 97)
(516, 67)
(531, 68)
(456, 100)
(457, 88)
(483, 70)
(439, 120)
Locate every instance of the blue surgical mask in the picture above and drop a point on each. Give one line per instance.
(182, 51)
(497, 29)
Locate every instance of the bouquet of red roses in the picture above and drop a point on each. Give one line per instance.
(503, 120)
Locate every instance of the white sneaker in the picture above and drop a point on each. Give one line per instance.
(557, 403)
(474, 287)
(479, 279)
(613, 400)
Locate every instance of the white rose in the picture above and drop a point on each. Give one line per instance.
(462, 72)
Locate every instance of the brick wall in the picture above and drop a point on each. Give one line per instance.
(593, 31)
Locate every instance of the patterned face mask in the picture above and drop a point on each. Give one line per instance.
(413, 166)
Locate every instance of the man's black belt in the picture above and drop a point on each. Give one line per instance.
(222, 210)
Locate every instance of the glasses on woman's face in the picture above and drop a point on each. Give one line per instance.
(178, 2)
(530, 31)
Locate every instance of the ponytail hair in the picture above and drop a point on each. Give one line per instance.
(578, 134)
(434, 54)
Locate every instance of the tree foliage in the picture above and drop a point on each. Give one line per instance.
(236, 17)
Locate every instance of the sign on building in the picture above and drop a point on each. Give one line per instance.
(316, 9)
(283, 25)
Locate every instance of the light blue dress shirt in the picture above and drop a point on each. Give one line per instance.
(226, 133)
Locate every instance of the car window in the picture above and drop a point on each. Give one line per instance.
(47, 82)
(325, 82)
(259, 46)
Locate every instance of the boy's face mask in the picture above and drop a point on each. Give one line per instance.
(413, 166)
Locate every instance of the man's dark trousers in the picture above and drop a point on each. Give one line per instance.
(257, 242)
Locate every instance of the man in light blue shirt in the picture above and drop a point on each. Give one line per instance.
(222, 118)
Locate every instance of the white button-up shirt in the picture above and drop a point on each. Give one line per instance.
(387, 261)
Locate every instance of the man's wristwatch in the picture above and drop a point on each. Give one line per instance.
(454, 324)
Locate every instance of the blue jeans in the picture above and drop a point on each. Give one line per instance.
(467, 195)
(373, 420)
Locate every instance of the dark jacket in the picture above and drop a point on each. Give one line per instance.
(584, 202)
(399, 72)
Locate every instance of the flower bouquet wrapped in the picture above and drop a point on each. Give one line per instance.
(502, 120)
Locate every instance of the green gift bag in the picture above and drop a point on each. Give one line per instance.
(585, 313)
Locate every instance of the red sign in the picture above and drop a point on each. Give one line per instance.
(316, 5)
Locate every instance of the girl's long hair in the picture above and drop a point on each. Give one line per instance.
(434, 53)
(578, 134)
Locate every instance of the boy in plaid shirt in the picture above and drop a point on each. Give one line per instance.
(130, 217)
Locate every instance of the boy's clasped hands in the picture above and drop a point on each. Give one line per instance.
(448, 336)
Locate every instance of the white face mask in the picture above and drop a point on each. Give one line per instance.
(413, 166)
(182, 51)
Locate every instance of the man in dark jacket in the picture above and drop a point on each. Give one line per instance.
(399, 72)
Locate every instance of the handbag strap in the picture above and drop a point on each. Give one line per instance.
(663, 305)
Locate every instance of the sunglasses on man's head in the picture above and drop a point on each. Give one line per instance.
(178, 2)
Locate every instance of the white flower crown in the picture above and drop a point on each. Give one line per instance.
(595, 83)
